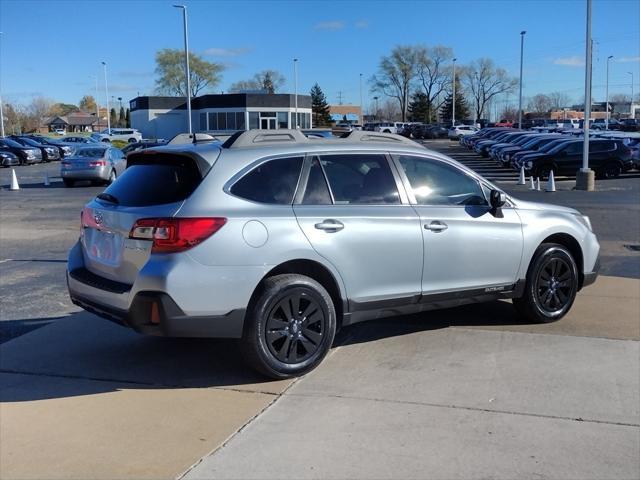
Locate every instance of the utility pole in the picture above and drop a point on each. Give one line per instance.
(376, 114)
(186, 64)
(522, 34)
(606, 123)
(106, 91)
(295, 80)
(453, 88)
(585, 177)
(361, 106)
(340, 97)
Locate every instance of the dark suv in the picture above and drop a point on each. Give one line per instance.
(608, 158)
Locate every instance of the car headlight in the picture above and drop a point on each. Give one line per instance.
(584, 220)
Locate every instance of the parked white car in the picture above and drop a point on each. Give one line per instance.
(130, 135)
(389, 127)
(459, 131)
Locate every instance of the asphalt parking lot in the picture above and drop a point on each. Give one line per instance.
(469, 392)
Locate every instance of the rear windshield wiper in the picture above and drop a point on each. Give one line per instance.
(107, 197)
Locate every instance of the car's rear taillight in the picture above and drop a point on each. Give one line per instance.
(99, 163)
(172, 235)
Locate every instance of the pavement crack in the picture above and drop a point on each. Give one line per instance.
(462, 407)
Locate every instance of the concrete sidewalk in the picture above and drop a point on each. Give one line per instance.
(463, 393)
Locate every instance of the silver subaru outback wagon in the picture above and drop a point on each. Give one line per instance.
(279, 240)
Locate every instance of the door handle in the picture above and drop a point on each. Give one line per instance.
(330, 225)
(436, 226)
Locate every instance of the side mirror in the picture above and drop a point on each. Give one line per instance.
(497, 199)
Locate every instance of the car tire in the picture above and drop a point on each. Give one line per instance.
(278, 340)
(543, 171)
(132, 140)
(611, 170)
(106, 140)
(551, 285)
(112, 177)
(68, 182)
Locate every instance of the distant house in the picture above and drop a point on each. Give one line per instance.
(350, 113)
(77, 122)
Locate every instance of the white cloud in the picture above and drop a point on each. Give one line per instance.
(626, 59)
(332, 25)
(362, 24)
(574, 61)
(226, 52)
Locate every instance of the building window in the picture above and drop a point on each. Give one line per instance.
(240, 121)
(304, 120)
(283, 120)
(231, 120)
(213, 121)
(203, 121)
(222, 121)
(254, 120)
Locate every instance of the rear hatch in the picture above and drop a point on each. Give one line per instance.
(154, 185)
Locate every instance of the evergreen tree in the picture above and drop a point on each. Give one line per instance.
(113, 117)
(127, 119)
(419, 108)
(121, 120)
(462, 108)
(319, 107)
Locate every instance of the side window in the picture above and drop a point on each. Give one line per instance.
(360, 179)
(272, 182)
(317, 190)
(595, 147)
(437, 183)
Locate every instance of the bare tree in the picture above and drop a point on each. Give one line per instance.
(619, 98)
(432, 75)
(269, 81)
(395, 74)
(484, 81)
(539, 103)
(38, 110)
(559, 100)
(510, 114)
(244, 86)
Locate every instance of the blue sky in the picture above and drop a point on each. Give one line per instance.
(54, 48)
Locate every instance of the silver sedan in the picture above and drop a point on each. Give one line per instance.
(98, 164)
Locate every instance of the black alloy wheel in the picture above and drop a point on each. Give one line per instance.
(612, 170)
(554, 284)
(544, 172)
(295, 327)
(289, 326)
(551, 284)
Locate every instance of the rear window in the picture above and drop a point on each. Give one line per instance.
(91, 152)
(273, 182)
(168, 179)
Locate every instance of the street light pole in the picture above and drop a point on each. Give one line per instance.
(106, 92)
(585, 178)
(295, 89)
(1, 112)
(606, 124)
(453, 89)
(631, 73)
(361, 106)
(522, 34)
(376, 114)
(186, 64)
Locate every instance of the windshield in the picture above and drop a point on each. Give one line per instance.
(28, 141)
(557, 148)
(12, 143)
(91, 152)
(551, 145)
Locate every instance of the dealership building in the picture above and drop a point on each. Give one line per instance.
(164, 117)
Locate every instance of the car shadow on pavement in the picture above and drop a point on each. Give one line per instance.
(493, 313)
(85, 355)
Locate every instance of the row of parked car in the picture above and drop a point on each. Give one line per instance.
(435, 131)
(610, 154)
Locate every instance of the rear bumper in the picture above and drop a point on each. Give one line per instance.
(97, 173)
(155, 313)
